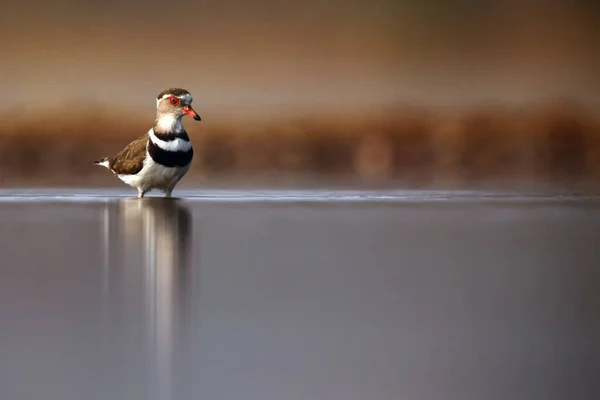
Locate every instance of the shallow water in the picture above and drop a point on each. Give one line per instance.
(298, 294)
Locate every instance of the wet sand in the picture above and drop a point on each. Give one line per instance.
(296, 294)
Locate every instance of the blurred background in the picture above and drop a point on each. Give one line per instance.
(419, 93)
(376, 294)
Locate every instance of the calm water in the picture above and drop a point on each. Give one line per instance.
(299, 295)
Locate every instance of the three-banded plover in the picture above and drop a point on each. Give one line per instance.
(160, 158)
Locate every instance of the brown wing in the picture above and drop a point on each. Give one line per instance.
(131, 159)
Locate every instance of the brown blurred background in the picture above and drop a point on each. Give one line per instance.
(410, 92)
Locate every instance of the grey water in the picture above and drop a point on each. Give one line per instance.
(297, 294)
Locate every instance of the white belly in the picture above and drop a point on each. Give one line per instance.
(155, 176)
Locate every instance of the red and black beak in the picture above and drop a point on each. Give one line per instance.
(190, 111)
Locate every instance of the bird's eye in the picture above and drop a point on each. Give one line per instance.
(174, 100)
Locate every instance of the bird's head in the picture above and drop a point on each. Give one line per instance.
(171, 105)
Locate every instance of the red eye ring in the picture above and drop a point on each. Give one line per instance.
(174, 100)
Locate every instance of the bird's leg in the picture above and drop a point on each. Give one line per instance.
(141, 193)
(168, 192)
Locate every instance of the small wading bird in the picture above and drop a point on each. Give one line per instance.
(160, 158)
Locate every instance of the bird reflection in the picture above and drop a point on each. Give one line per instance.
(154, 233)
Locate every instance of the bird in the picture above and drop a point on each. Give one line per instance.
(161, 157)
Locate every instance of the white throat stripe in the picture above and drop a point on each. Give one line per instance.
(177, 144)
(169, 123)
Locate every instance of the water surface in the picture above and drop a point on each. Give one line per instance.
(267, 294)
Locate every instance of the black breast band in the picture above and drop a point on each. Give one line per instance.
(169, 158)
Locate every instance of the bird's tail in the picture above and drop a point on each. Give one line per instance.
(105, 162)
